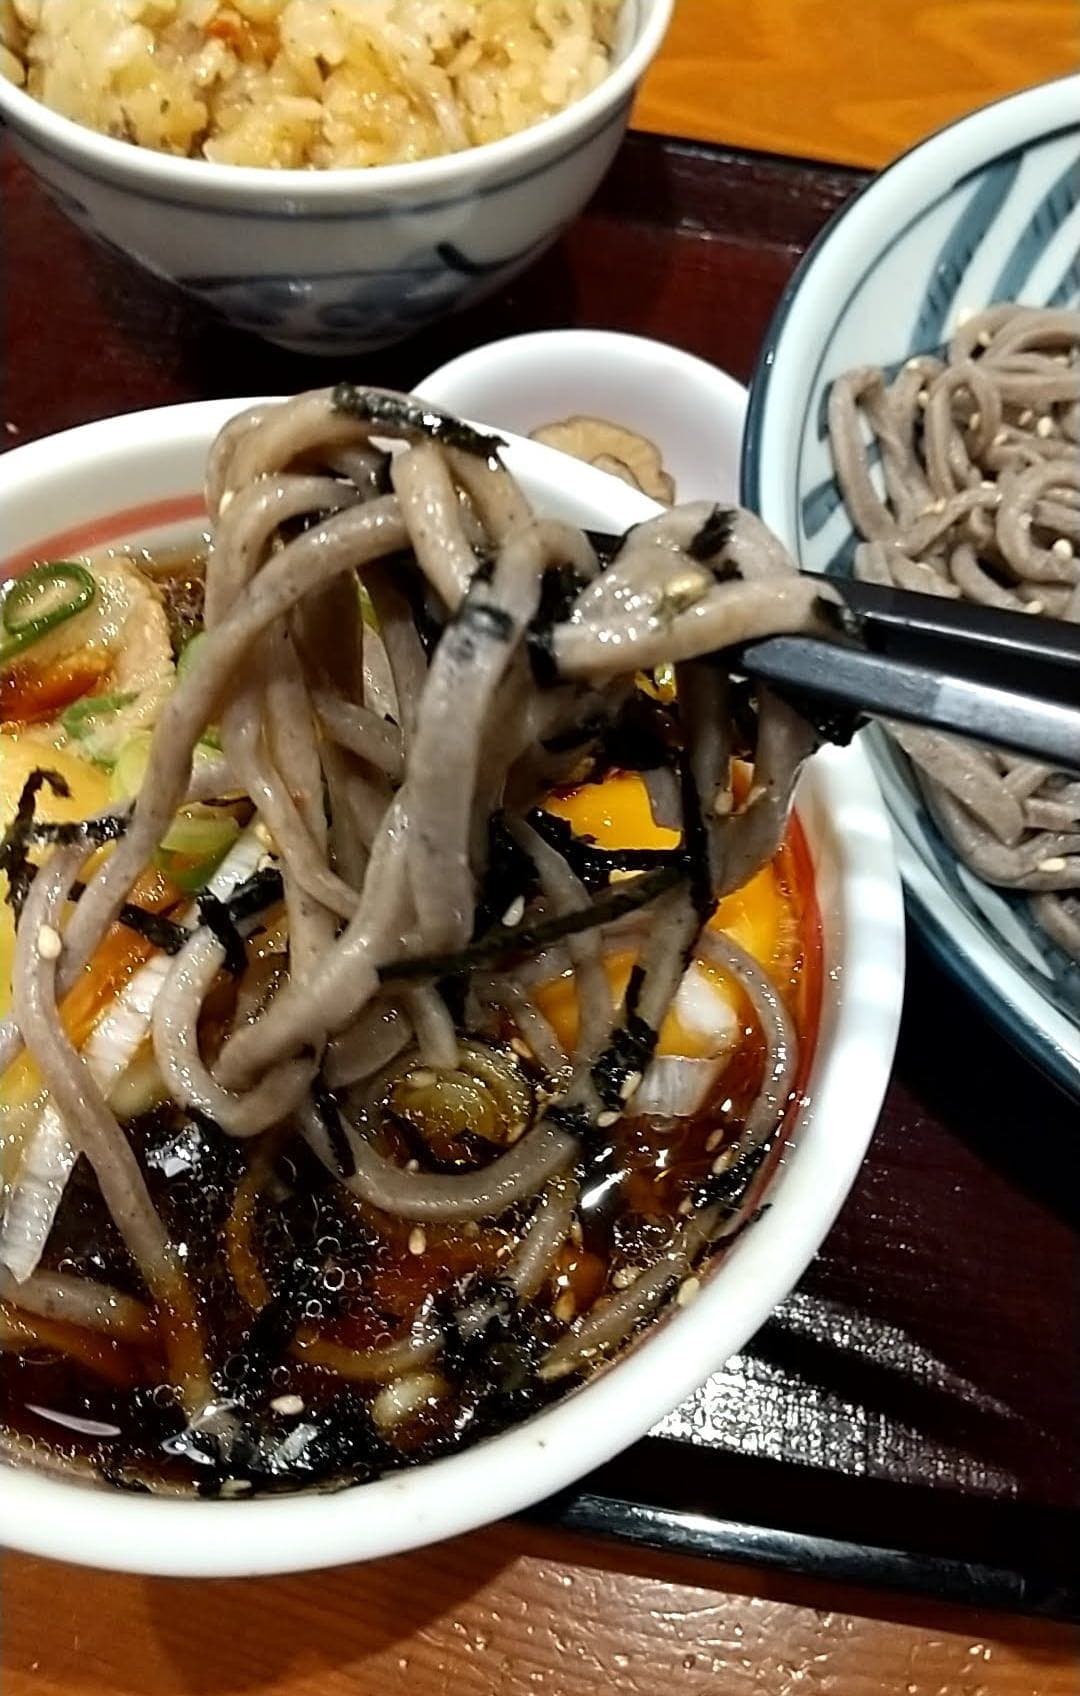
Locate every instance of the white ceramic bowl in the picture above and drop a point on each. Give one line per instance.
(140, 477)
(693, 411)
(985, 210)
(332, 262)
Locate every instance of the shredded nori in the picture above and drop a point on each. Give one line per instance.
(325, 1104)
(15, 844)
(89, 832)
(695, 844)
(504, 941)
(560, 587)
(642, 737)
(416, 418)
(714, 535)
(592, 864)
(508, 876)
(630, 1050)
(261, 890)
(482, 618)
(215, 915)
(574, 1119)
(841, 618)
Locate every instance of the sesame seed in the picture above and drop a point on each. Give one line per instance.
(577, 1235)
(521, 1048)
(1044, 428)
(412, 1165)
(1025, 418)
(630, 1085)
(688, 1292)
(1054, 863)
(938, 505)
(11, 427)
(422, 1078)
(515, 912)
(603, 1120)
(922, 399)
(261, 834)
(964, 316)
(288, 1406)
(975, 420)
(233, 1487)
(714, 1139)
(565, 1307)
(983, 338)
(50, 945)
(1063, 548)
(723, 1162)
(417, 1240)
(685, 1207)
(1034, 606)
(226, 500)
(1001, 438)
(553, 1369)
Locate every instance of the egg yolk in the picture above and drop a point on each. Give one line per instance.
(616, 814)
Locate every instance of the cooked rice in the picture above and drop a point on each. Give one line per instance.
(307, 83)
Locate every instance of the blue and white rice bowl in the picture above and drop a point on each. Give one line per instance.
(342, 261)
(986, 210)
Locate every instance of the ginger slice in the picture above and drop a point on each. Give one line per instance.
(610, 447)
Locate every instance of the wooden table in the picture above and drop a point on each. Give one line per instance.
(854, 83)
(522, 1610)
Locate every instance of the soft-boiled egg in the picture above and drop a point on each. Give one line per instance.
(708, 1014)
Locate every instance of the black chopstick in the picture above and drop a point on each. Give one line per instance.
(1008, 679)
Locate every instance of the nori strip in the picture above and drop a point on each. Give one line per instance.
(481, 618)
(509, 874)
(714, 535)
(325, 1104)
(695, 844)
(216, 916)
(15, 843)
(560, 587)
(416, 418)
(502, 941)
(592, 864)
(630, 1050)
(92, 832)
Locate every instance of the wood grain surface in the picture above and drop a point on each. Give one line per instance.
(508, 1612)
(695, 247)
(854, 83)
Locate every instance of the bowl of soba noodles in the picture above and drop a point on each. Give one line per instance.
(915, 419)
(332, 177)
(435, 1033)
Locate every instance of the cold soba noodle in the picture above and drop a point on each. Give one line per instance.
(425, 1080)
(980, 456)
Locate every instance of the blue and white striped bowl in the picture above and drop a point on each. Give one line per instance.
(985, 210)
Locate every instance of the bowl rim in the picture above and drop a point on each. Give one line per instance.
(1003, 992)
(65, 1519)
(207, 179)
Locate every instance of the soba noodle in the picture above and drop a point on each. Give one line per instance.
(391, 767)
(978, 452)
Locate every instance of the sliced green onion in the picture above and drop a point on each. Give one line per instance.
(127, 775)
(43, 599)
(79, 720)
(197, 832)
(189, 653)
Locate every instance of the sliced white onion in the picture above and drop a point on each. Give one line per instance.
(676, 1087)
(49, 1154)
(404, 1398)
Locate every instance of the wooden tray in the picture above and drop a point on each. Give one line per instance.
(908, 1416)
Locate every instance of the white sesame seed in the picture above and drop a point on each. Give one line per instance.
(1034, 606)
(472, 1229)
(937, 506)
(983, 338)
(1054, 863)
(234, 1487)
(417, 1240)
(553, 1369)
(565, 1307)
(975, 420)
(724, 1162)
(685, 1207)
(422, 1078)
(11, 428)
(577, 1235)
(603, 1120)
(964, 316)
(50, 945)
(630, 1085)
(714, 1139)
(1045, 427)
(521, 1048)
(1001, 438)
(515, 912)
(922, 399)
(1025, 418)
(1063, 548)
(261, 834)
(226, 500)
(688, 1292)
(288, 1406)
(412, 1165)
